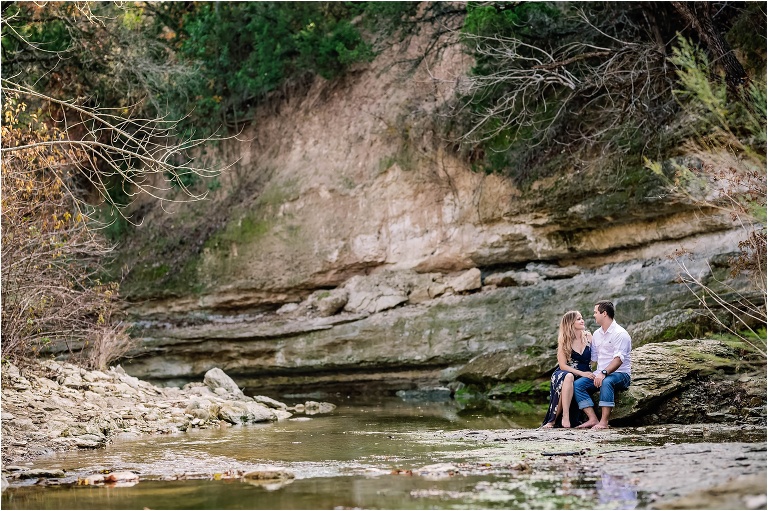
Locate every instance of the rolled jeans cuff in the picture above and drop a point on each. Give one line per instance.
(587, 403)
(607, 403)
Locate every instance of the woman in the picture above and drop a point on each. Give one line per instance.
(574, 355)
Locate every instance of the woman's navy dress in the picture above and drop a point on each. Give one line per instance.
(580, 361)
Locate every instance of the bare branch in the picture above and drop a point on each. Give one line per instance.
(738, 307)
(141, 152)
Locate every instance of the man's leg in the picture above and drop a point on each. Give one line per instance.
(582, 388)
(611, 383)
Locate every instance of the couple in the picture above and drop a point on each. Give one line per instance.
(576, 349)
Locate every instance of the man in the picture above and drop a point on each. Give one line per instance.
(610, 349)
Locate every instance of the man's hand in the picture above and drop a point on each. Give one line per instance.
(599, 380)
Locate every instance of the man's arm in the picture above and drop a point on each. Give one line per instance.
(623, 347)
(611, 367)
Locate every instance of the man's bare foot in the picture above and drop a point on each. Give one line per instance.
(566, 423)
(587, 424)
(600, 425)
(548, 425)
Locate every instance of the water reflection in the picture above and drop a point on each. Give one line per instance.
(616, 492)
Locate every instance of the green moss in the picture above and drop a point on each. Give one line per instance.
(163, 280)
(186, 280)
(277, 194)
(385, 163)
(405, 158)
(687, 330)
(150, 273)
(706, 363)
(245, 230)
(347, 182)
(519, 388)
(747, 345)
(536, 350)
(468, 394)
(256, 224)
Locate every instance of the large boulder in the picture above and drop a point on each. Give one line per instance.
(699, 377)
(217, 379)
(244, 412)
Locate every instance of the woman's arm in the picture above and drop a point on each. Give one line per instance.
(563, 363)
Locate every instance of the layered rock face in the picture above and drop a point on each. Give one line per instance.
(359, 250)
(391, 334)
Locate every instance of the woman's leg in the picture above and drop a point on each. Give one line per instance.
(558, 407)
(566, 394)
(554, 399)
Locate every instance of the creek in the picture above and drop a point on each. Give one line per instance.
(362, 455)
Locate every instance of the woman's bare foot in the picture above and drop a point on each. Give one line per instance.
(566, 423)
(549, 425)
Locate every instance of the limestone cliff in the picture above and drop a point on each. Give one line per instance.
(349, 243)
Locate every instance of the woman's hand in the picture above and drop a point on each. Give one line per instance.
(586, 374)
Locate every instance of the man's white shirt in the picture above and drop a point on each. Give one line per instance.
(609, 344)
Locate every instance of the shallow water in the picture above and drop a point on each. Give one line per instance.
(357, 456)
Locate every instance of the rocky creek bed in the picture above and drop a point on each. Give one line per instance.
(701, 466)
(52, 406)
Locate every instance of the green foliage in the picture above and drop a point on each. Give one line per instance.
(115, 228)
(718, 116)
(245, 50)
(538, 26)
(505, 19)
(735, 125)
(531, 22)
(99, 52)
(51, 35)
(385, 16)
(184, 180)
(214, 184)
(693, 74)
(570, 79)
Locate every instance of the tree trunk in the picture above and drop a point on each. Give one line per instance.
(699, 15)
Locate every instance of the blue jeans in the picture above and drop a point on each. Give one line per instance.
(583, 387)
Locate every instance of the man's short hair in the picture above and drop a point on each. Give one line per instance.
(607, 307)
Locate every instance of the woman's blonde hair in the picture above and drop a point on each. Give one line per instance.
(567, 334)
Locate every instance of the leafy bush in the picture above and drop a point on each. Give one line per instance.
(245, 50)
(577, 78)
(51, 294)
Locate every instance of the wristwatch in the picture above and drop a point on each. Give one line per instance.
(605, 373)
